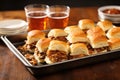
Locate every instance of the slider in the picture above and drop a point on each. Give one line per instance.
(105, 25)
(78, 50)
(40, 50)
(57, 52)
(97, 39)
(114, 32)
(32, 37)
(57, 34)
(114, 43)
(86, 24)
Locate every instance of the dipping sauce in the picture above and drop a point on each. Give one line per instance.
(112, 11)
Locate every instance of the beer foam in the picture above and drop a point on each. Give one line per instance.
(64, 15)
(37, 14)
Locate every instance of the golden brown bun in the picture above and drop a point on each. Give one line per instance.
(78, 48)
(99, 41)
(95, 32)
(114, 43)
(56, 33)
(43, 44)
(72, 29)
(47, 60)
(59, 45)
(105, 25)
(78, 36)
(34, 35)
(86, 24)
(114, 32)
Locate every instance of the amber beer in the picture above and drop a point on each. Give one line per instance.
(36, 15)
(58, 16)
(58, 20)
(37, 20)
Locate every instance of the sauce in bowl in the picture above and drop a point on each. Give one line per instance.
(112, 11)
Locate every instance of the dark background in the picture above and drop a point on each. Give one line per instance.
(19, 4)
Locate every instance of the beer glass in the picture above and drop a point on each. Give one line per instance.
(58, 16)
(36, 15)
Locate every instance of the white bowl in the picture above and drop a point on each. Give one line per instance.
(115, 18)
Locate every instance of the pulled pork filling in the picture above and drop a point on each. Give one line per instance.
(57, 56)
(27, 48)
(91, 50)
(31, 58)
(40, 55)
(61, 38)
(30, 47)
(76, 56)
(103, 49)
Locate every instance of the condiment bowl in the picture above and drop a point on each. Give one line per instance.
(110, 12)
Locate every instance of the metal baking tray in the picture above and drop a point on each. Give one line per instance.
(15, 40)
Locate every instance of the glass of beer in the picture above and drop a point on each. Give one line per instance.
(36, 16)
(58, 16)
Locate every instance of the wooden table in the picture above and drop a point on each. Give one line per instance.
(12, 69)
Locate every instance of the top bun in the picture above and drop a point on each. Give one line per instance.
(105, 25)
(78, 36)
(86, 24)
(59, 45)
(56, 33)
(78, 48)
(34, 36)
(114, 32)
(43, 44)
(72, 29)
(95, 32)
(114, 43)
(99, 41)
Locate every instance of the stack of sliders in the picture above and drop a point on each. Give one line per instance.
(97, 39)
(28, 49)
(32, 38)
(78, 41)
(84, 39)
(57, 34)
(40, 50)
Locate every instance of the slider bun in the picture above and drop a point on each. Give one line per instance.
(34, 35)
(114, 32)
(95, 32)
(59, 45)
(78, 36)
(56, 33)
(71, 29)
(43, 44)
(48, 61)
(86, 24)
(105, 25)
(99, 41)
(114, 43)
(78, 48)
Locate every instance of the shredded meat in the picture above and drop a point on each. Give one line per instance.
(103, 49)
(61, 38)
(27, 48)
(76, 56)
(40, 55)
(91, 50)
(57, 56)
(30, 58)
